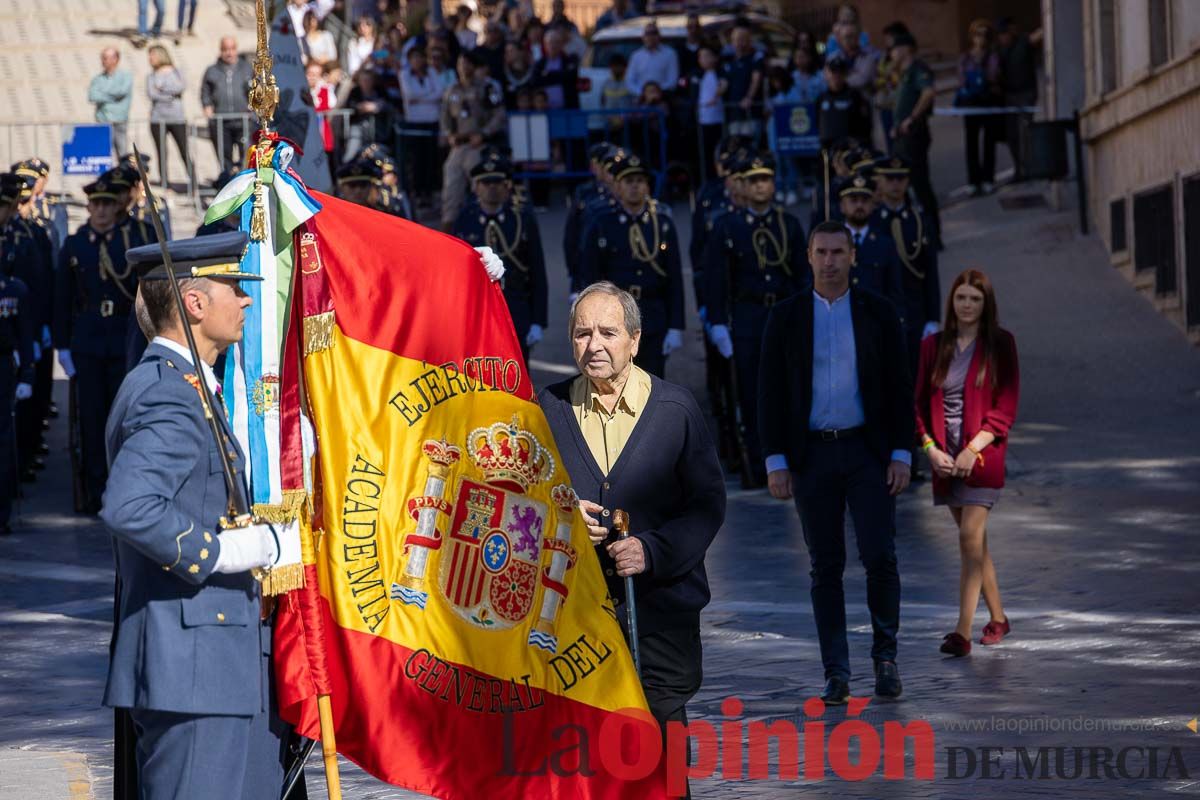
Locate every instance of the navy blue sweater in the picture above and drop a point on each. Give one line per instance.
(669, 480)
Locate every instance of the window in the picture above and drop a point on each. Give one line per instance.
(1154, 237)
(1108, 45)
(1160, 33)
(1116, 226)
(1191, 244)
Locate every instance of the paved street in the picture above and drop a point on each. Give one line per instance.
(1095, 542)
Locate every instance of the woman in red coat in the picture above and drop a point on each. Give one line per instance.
(966, 401)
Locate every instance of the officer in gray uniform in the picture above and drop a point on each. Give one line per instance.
(189, 656)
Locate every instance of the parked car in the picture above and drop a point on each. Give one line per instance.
(773, 35)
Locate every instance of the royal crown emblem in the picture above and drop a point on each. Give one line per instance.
(510, 457)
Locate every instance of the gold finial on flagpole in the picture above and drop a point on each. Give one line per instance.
(264, 93)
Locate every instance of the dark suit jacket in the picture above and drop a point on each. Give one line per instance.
(567, 77)
(785, 377)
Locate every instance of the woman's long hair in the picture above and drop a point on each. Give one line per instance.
(989, 330)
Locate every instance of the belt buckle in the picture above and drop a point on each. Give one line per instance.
(106, 308)
(769, 299)
(635, 291)
(829, 436)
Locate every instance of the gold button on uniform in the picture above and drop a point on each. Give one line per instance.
(220, 617)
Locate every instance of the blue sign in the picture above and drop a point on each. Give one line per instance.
(796, 130)
(87, 149)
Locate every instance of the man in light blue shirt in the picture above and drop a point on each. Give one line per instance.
(652, 62)
(836, 415)
(111, 92)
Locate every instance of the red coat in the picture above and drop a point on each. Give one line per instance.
(984, 408)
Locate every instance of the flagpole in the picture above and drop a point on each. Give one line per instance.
(263, 100)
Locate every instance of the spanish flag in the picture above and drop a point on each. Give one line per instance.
(454, 609)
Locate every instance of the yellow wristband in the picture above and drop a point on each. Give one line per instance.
(928, 444)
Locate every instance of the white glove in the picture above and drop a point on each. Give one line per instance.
(37, 352)
(719, 336)
(24, 391)
(930, 329)
(64, 361)
(491, 262)
(672, 341)
(534, 336)
(243, 549)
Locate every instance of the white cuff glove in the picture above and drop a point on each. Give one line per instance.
(534, 336)
(243, 549)
(719, 336)
(930, 329)
(672, 341)
(491, 262)
(24, 391)
(64, 361)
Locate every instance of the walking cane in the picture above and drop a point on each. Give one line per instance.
(621, 526)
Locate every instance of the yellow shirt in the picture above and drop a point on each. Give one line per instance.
(605, 433)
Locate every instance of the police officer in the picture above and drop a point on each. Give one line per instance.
(16, 344)
(512, 232)
(472, 114)
(392, 198)
(136, 201)
(636, 247)
(37, 272)
(754, 258)
(188, 652)
(358, 181)
(900, 215)
(876, 262)
(93, 300)
(581, 199)
(717, 197)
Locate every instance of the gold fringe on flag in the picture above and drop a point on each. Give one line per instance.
(285, 511)
(283, 579)
(318, 333)
(258, 216)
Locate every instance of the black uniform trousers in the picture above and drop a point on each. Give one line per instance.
(97, 380)
(8, 436)
(915, 148)
(749, 320)
(834, 475)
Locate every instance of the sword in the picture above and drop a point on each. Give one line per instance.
(621, 526)
(238, 507)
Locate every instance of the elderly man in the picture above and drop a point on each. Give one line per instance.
(223, 94)
(111, 92)
(633, 442)
(653, 62)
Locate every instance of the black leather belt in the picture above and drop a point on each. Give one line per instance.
(836, 434)
(110, 308)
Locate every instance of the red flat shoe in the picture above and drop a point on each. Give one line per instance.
(993, 632)
(955, 645)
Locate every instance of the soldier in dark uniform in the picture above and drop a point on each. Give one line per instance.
(636, 247)
(494, 221)
(93, 301)
(16, 344)
(392, 198)
(358, 182)
(138, 203)
(585, 193)
(899, 214)
(876, 262)
(716, 198)
(37, 272)
(44, 207)
(755, 258)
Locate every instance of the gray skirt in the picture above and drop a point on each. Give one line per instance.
(960, 495)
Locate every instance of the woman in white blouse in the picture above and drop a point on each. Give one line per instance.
(362, 45)
(317, 45)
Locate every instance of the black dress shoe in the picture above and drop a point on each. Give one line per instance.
(837, 692)
(887, 679)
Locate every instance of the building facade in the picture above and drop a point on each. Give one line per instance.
(1139, 121)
